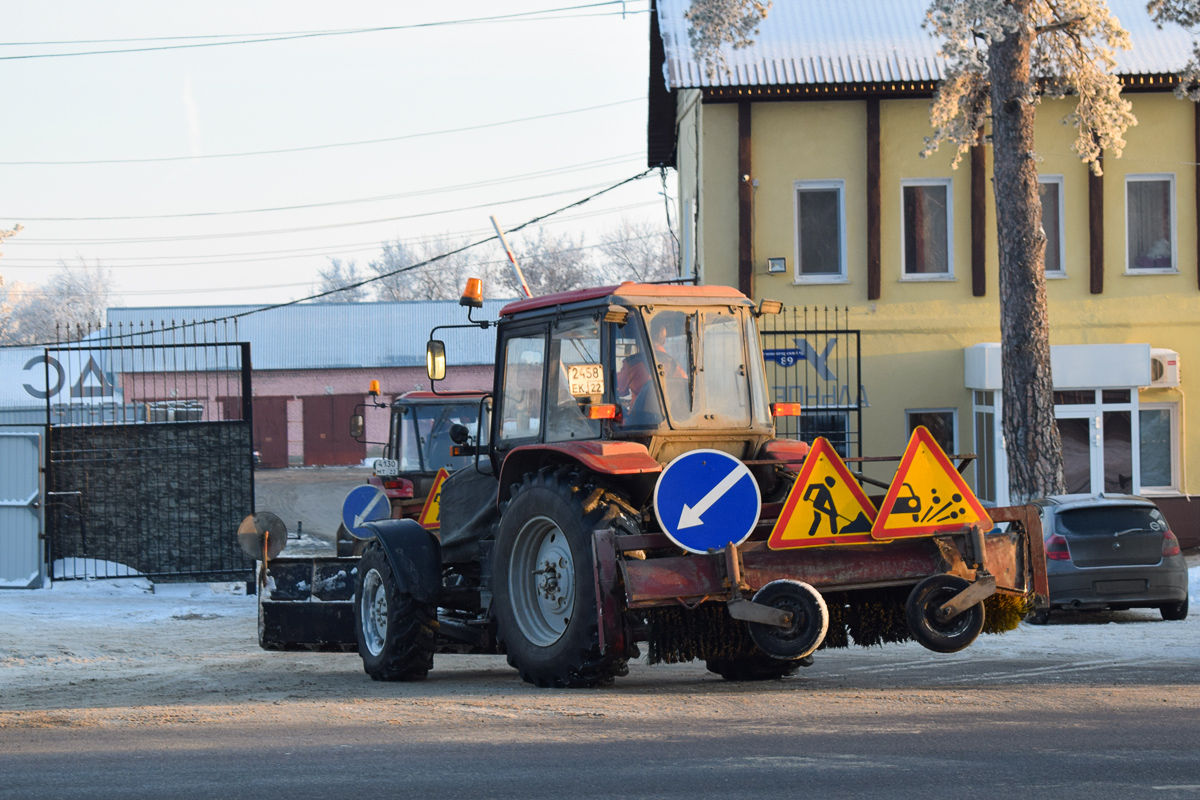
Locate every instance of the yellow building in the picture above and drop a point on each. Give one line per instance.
(800, 179)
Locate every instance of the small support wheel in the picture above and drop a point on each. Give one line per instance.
(810, 620)
(947, 636)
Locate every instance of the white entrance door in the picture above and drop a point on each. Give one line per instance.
(1082, 447)
(1099, 432)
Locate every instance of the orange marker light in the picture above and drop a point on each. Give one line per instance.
(785, 409)
(601, 411)
(472, 295)
(374, 389)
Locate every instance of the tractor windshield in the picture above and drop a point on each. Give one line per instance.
(420, 438)
(704, 367)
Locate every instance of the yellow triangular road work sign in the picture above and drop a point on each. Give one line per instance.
(927, 496)
(825, 506)
(431, 512)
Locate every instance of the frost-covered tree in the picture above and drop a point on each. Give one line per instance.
(442, 278)
(713, 23)
(638, 250)
(338, 274)
(1185, 13)
(68, 306)
(1004, 57)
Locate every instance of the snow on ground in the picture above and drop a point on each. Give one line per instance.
(126, 642)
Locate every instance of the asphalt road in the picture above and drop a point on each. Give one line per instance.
(878, 723)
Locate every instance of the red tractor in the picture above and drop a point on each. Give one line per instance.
(551, 550)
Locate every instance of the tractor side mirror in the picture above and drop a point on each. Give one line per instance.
(459, 434)
(357, 426)
(435, 359)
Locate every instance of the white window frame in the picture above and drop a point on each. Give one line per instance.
(1057, 180)
(934, 276)
(953, 412)
(1143, 178)
(1176, 465)
(840, 186)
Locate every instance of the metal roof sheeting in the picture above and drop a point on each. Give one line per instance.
(872, 41)
(331, 335)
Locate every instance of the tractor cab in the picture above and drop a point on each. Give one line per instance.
(622, 379)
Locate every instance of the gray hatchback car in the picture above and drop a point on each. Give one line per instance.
(1112, 552)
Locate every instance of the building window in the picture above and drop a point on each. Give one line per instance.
(1050, 187)
(941, 424)
(833, 425)
(928, 223)
(1158, 432)
(820, 231)
(1150, 224)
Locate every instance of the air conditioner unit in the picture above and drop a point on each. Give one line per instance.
(1164, 368)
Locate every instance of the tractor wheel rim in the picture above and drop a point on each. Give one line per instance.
(374, 612)
(541, 579)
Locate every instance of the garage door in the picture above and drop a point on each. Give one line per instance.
(327, 440)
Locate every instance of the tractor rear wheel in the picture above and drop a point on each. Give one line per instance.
(544, 586)
(396, 633)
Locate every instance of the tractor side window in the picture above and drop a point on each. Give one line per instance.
(407, 450)
(576, 380)
(521, 401)
(635, 388)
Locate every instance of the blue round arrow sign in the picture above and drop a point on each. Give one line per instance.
(706, 499)
(364, 503)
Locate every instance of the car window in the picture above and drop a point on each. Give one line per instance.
(1108, 520)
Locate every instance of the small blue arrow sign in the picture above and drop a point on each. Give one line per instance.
(364, 503)
(706, 499)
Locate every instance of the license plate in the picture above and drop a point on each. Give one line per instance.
(585, 379)
(386, 467)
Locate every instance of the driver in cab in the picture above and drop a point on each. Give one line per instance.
(637, 371)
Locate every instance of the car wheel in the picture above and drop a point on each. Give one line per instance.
(1174, 611)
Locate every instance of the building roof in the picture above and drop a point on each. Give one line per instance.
(872, 41)
(329, 335)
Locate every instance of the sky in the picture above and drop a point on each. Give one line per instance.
(447, 96)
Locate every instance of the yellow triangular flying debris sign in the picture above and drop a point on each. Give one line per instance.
(825, 506)
(431, 512)
(927, 496)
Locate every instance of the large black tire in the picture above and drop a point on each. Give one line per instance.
(921, 613)
(755, 667)
(396, 634)
(1174, 611)
(544, 586)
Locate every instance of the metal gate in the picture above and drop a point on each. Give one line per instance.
(21, 562)
(150, 457)
(815, 359)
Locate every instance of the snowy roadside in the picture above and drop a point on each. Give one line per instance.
(119, 642)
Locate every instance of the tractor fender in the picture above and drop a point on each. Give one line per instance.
(415, 555)
(615, 459)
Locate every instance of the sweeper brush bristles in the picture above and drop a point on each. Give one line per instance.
(1004, 612)
(707, 633)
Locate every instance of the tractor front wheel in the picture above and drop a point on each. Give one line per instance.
(396, 633)
(545, 595)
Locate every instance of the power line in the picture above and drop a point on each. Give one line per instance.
(290, 253)
(386, 275)
(310, 148)
(610, 161)
(241, 234)
(140, 292)
(527, 15)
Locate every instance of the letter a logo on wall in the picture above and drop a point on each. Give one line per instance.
(927, 496)
(431, 512)
(825, 506)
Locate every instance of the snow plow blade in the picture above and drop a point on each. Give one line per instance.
(307, 603)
